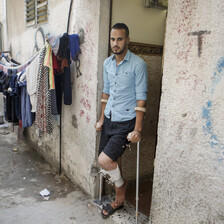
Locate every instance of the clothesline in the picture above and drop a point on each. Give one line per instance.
(19, 68)
(44, 80)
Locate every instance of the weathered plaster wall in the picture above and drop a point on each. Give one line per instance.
(1, 10)
(189, 167)
(146, 25)
(79, 135)
(78, 132)
(4, 24)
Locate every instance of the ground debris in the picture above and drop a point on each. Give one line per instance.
(45, 193)
(4, 132)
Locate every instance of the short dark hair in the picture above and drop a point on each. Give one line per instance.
(121, 26)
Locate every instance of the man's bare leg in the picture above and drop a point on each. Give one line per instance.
(120, 192)
(108, 164)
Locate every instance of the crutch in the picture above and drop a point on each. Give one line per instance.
(137, 182)
(101, 187)
(98, 202)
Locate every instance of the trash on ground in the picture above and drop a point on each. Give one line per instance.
(45, 193)
(15, 150)
(70, 221)
(4, 132)
(4, 125)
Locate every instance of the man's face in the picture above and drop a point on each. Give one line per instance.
(118, 41)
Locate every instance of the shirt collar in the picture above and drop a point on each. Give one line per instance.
(126, 57)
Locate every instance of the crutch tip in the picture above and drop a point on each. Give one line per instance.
(97, 202)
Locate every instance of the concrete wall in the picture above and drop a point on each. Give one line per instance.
(78, 132)
(146, 25)
(4, 24)
(189, 167)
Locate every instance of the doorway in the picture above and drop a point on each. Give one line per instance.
(147, 28)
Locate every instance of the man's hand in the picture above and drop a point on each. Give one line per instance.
(99, 125)
(134, 136)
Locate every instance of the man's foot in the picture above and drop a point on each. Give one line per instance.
(120, 194)
(109, 209)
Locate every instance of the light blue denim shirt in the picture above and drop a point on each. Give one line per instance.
(125, 83)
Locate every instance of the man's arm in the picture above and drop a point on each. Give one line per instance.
(99, 124)
(135, 135)
(141, 88)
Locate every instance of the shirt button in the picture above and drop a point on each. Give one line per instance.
(115, 83)
(116, 74)
(115, 90)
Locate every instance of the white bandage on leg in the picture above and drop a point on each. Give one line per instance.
(115, 176)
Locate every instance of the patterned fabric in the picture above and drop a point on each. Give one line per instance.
(43, 111)
(48, 62)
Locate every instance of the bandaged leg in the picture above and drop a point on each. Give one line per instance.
(115, 176)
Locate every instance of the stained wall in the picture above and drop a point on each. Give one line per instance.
(78, 135)
(188, 182)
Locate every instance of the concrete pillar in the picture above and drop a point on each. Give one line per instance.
(189, 166)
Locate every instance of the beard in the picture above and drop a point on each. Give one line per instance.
(119, 52)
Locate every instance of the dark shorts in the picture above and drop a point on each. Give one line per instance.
(114, 137)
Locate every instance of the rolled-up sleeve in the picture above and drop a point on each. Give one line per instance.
(141, 81)
(106, 85)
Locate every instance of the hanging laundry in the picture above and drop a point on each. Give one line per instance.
(27, 116)
(49, 63)
(37, 86)
(54, 41)
(64, 53)
(74, 46)
(20, 67)
(56, 65)
(31, 81)
(43, 110)
(4, 80)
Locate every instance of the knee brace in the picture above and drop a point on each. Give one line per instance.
(115, 176)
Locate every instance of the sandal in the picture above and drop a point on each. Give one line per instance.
(110, 210)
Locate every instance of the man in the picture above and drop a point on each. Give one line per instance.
(123, 107)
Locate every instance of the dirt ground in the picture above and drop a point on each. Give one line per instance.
(24, 174)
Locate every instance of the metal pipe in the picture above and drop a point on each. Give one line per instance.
(70, 8)
(60, 143)
(60, 135)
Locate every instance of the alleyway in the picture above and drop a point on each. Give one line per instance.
(23, 175)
